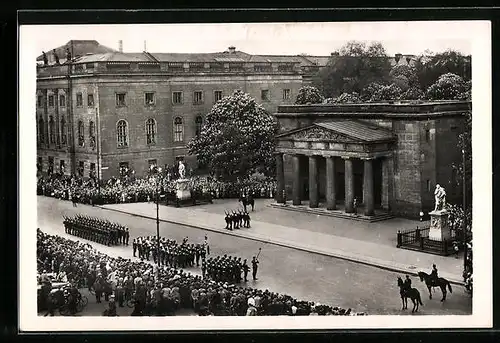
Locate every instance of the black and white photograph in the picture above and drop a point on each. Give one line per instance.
(337, 172)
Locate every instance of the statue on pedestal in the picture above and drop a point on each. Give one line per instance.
(182, 170)
(440, 197)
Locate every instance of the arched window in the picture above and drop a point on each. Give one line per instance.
(122, 134)
(41, 130)
(92, 134)
(151, 131)
(63, 131)
(198, 125)
(52, 134)
(81, 134)
(178, 130)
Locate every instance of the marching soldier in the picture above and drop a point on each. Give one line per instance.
(255, 265)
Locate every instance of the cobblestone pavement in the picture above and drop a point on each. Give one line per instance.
(301, 274)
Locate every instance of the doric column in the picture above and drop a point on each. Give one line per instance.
(349, 185)
(313, 181)
(330, 183)
(280, 177)
(368, 187)
(296, 180)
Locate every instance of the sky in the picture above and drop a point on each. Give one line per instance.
(263, 38)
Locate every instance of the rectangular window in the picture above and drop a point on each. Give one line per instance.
(79, 99)
(39, 164)
(51, 101)
(427, 135)
(51, 165)
(62, 100)
(89, 66)
(217, 96)
(81, 168)
(286, 94)
(428, 185)
(198, 97)
(92, 170)
(149, 99)
(264, 94)
(90, 100)
(39, 101)
(177, 98)
(120, 100)
(62, 166)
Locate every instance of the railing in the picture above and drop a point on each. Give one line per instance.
(419, 240)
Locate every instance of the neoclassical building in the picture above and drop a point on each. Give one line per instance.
(380, 158)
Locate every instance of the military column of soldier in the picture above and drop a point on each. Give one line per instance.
(97, 230)
(237, 219)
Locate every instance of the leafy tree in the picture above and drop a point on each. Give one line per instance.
(448, 87)
(404, 76)
(430, 66)
(390, 92)
(236, 139)
(412, 93)
(352, 67)
(347, 98)
(309, 95)
(368, 92)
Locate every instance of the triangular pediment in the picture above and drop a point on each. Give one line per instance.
(315, 133)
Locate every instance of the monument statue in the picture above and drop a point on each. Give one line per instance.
(182, 170)
(440, 197)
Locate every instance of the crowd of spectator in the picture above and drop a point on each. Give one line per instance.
(164, 290)
(119, 190)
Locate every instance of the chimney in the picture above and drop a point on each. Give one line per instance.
(145, 48)
(231, 49)
(120, 45)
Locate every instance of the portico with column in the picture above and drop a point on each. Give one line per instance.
(342, 161)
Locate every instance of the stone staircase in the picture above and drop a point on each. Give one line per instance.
(339, 213)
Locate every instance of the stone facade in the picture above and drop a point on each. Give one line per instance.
(91, 88)
(402, 173)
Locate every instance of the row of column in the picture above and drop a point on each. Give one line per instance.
(330, 183)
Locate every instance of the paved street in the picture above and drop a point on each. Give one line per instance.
(298, 273)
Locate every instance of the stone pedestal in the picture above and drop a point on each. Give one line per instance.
(183, 192)
(439, 229)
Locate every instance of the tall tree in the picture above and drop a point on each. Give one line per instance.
(430, 66)
(309, 95)
(237, 138)
(448, 87)
(352, 67)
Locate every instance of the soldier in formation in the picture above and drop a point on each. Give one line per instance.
(171, 253)
(97, 230)
(237, 219)
(224, 268)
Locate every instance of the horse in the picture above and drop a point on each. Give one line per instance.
(411, 293)
(441, 283)
(247, 200)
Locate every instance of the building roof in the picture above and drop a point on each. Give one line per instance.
(353, 129)
(78, 48)
(112, 57)
(357, 130)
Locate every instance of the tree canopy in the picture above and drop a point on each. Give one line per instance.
(352, 67)
(309, 95)
(236, 139)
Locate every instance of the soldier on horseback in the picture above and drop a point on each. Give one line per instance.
(434, 275)
(407, 283)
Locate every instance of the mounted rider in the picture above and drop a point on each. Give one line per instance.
(434, 275)
(407, 283)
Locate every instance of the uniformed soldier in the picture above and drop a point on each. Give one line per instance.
(246, 269)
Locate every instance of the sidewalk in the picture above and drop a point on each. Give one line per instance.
(317, 240)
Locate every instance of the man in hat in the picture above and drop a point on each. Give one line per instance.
(255, 265)
(246, 269)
